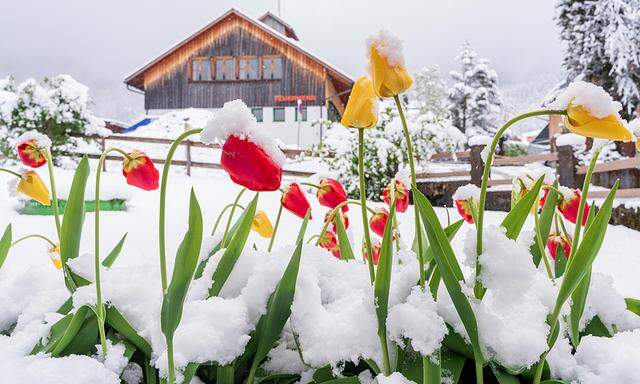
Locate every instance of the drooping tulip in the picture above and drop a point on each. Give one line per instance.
(140, 171)
(294, 200)
(31, 147)
(466, 199)
(555, 240)
(331, 193)
(378, 221)
(386, 65)
(362, 108)
(568, 205)
(262, 225)
(54, 255)
(376, 253)
(31, 185)
(345, 220)
(401, 194)
(249, 165)
(329, 241)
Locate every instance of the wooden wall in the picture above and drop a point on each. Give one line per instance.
(167, 84)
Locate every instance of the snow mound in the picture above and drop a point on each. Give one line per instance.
(235, 118)
(590, 96)
(388, 46)
(394, 378)
(609, 305)
(41, 369)
(479, 140)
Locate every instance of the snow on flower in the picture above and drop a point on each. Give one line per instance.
(592, 97)
(388, 46)
(42, 140)
(466, 192)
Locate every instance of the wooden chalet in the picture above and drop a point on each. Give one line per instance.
(257, 60)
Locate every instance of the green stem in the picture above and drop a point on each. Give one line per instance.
(163, 203)
(170, 366)
(233, 209)
(221, 215)
(363, 204)
(414, 186)
(54, 195)
(35, 235)
(275, 228)
(563, 227)
(16, 174)
(574, 245)
(479, 373)
(310, 184)
(252, 374)
(543, 254)
(478, 288)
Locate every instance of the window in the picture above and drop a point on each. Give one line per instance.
(257, 112)
(271, 67)
(225, 68)
(248, 68)
(278, 114)
(201, 69)
(301, 113)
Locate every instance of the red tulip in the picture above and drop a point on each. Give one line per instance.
(463, 199)
(379, 220)
(543, 199)
(569, 205)
(140, 171)
(294, 200)
(331, 193)
(345, 220)
(31, 154)
(249, 165)
(376, 253)
(329, 241)
(556, 240)
(402, 195)
(464, 208)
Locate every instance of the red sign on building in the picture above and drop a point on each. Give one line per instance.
(281, 98)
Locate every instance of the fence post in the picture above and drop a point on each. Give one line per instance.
(103, 147)
(566, 167)
(477, 165)
(188, 156)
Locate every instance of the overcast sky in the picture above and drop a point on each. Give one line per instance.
(101, 42)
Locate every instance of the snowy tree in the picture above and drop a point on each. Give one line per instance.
(474, 100)
(602, 46)
(429, 93)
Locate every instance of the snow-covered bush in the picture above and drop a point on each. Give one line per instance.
(384, 148)
(58, 107)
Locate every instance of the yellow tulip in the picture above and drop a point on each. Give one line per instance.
(262, 225)
(32, 185)
(361, 110)
(54, 255)
(581, 122)
(388, 80)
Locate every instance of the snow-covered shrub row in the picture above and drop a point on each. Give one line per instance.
(59, 107)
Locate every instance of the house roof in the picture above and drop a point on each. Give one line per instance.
(288, 29)
(136, 79)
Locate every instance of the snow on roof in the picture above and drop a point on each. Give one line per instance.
(590, 96)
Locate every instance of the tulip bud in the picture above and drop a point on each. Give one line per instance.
(329, 241)
(31, 185)
(54, 255)
(140, 171)
(376, 252)
(331, 193)
(466, 200)
(262, 225)
(555, 240)
(31, 147)
(362, 107)
(386, 65)
(378, 221)
(569, 203)
(401, 194)
(345, 220)
(249, 165)
(294, 200)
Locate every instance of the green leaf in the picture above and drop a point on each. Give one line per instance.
(344, 380)
(72, 329)
(113, 255)
(452, 365)
(382, 284)
(504, 377)
(579, 265)
(272, 322)
(514, 221)
(189, 372)
(554, 382)
(544, 224)
(185, 265)
(449, 269)
(323, 374)
(596, 328)
(118, 322)
(234, 250)
(561, 261)
(434, 280)
(73, 219)
(5, 244)
(633, 305)
(55, 334)
(456, 343)
(85, 340)
(578, 303)
(346, 252)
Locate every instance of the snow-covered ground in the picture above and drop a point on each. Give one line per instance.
(617, 258)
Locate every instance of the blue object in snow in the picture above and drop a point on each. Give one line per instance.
(141, 123)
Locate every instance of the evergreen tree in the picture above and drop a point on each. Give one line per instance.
(429, 93)
(602, 46)
(474, 100)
